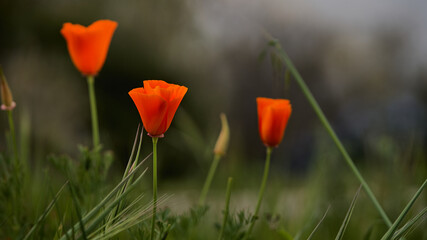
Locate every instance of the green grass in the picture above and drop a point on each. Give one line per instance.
(292, 207)
(60, 197)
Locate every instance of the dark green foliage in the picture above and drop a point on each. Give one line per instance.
(11, 196)
(236, 225)
(88, 172)
(184, 225)
(171, 226)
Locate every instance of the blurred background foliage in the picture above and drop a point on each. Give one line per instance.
(366, 63)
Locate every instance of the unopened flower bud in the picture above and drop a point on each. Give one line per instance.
(6, 95)
(223, 138)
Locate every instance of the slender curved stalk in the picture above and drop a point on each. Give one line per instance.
(331, 132)
(227, 207)
(153, 221)
(12, 133)
(318, 224)
(208, 180)
(261, 191)
(93, 111)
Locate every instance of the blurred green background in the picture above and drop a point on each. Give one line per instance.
(365, 62)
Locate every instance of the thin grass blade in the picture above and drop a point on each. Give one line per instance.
(300, 81)
(344, 224)
(46, 212)
(78, 211)
(227, 207)
(131, 163)
(412, 228)
(399, 233)
(135, 141)
(101, 204)
(287, 76)
(128, 219)
(318, 224)
(389, 234)
(107, 209)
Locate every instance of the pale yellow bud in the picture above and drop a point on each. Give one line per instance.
(223, 138)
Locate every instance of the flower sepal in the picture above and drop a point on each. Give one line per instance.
(8, 108)
(156, 136)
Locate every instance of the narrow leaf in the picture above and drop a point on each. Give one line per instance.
(101, 204)
(227, 205)
(399, 233)
(46, 212)
(389, 234)
(344, 224)
(78, 211)
(107, 209)
(131, 163)
(318, 224)
(287, 79)
(133, 149)
(296, 75)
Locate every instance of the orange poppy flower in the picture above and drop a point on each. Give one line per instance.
(88, 46)
(157, 103)
(273, 115)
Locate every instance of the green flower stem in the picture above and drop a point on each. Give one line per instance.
(208, 180)
(261, 191)
(331, 132)
(94, 113)
(153, 221)
(227, 207)
(12, 133)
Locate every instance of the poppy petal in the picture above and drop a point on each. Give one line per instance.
(273, 115)
(88, 46)
(152, 109)
(157, 103)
